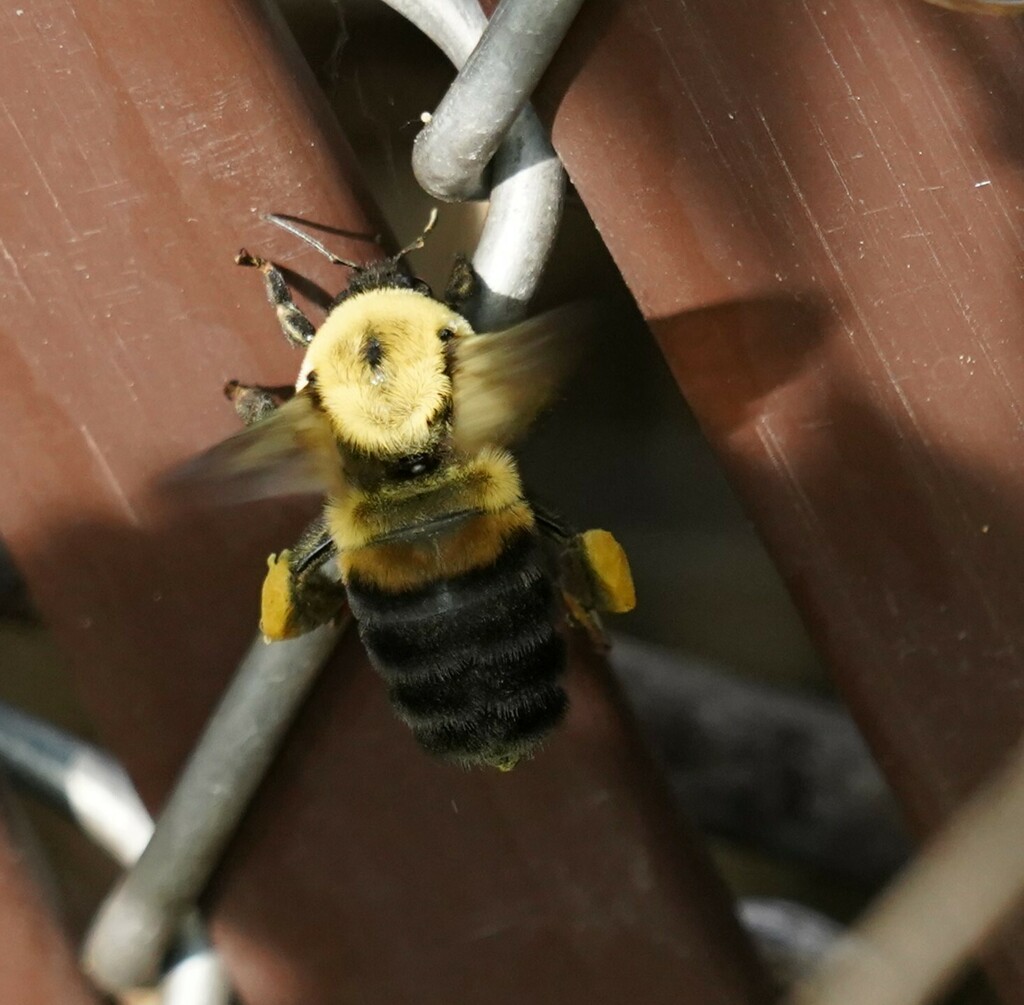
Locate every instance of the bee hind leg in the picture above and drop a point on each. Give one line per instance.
(593, 572)
(299, 592)
(297, 328)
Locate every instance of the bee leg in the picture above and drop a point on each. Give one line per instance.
(253, 401)
(297, 328)
(462, 284)
(298, 592)
(593, 574)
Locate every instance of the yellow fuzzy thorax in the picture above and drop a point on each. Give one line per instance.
(473, 543)
(485, 491)
(488, 483)
(381, 368)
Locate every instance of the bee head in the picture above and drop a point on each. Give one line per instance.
(381, 368)
(380, 365)
(388, 274)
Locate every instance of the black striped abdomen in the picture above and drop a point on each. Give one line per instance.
(471, 663)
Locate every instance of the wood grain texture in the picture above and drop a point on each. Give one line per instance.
(138, 144)
(818, 208)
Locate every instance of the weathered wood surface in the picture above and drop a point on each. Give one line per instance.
(818, 208)
(37, 966)
(137, 143)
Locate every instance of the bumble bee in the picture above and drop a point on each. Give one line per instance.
(401, 417)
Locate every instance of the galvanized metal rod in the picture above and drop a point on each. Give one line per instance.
(519, 233)
(195, 974)
(528, 181)
(136, 923)
(454, 26)
(493, 86)
(82, 781)
(97, 794)
(791, 939)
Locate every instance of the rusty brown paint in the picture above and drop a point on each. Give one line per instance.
(37, 966)
(817, 207)
(137, 143)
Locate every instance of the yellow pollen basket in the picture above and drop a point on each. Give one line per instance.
(609, 567)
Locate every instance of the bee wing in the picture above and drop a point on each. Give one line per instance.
(502, 380)
(291, 452)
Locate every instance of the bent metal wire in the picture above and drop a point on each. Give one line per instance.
(527, 181)
(138, 920)
(88, 786)
(453, 150)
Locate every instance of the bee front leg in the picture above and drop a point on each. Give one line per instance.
(253, 401)
(463, 283)
(299, 593)
(594, 575)
(297, 328)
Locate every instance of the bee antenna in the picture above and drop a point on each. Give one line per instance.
(286, 224)
(421, 240)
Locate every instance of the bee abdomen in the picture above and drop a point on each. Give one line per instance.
(472, 663)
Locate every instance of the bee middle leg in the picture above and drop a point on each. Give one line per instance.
(254, 401)
(297, 328)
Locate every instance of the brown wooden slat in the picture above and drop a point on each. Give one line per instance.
(818, 209)
(136, 144)
(37, 963)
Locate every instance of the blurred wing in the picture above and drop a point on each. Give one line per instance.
(502, 380)
(291, 452)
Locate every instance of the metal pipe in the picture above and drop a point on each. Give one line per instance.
(519, 233)
(83, 782)
(133, 928)
(791, 939)
(528, 181)
(94, 790)
(492, 88)
(195, 974)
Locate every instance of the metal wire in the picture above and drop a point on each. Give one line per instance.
(137, 922)
(790, 938)
(492, 88)
(96, 793)
(130, 933)
(92, 789)
(528, 182)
